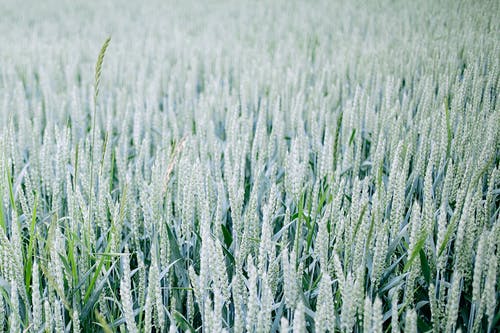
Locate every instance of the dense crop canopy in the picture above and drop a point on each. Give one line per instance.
(249, 166)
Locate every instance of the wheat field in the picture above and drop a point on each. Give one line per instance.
(234, 166)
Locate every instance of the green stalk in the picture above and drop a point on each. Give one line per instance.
(98, 69)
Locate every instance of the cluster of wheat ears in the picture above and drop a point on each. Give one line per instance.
(282, 166)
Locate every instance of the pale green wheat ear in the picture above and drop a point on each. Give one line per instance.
(98, 67)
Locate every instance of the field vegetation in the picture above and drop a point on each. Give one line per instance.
(223, 166)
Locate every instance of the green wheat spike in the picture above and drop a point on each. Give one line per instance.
(98, 67)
